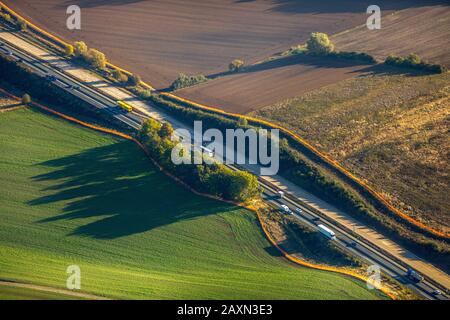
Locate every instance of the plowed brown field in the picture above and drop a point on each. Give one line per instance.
(159, 39)
(162, 38)
(423, 30)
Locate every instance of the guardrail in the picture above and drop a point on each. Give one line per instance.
(350, 232)
(324, 157)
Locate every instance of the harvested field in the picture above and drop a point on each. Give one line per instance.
(391, 129)
(424, 31)
(159, 39)
(286, 78)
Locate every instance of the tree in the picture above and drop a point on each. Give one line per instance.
(236, 65)
(319, 43)
(243, 122)
(69, 50)
(22, 25)
(134, 80)
(166, 130)
(80, 48)
(119, 76)
(413, 59)
(26, 99)
(96, 58)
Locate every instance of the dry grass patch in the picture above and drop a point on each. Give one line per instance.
(390, 129)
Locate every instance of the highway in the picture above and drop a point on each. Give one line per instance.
(309, 216)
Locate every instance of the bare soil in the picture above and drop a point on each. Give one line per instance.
(159, 39)
(424, 31)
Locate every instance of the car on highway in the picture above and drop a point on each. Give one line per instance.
(285, 209)
(352, 244)
(72, 87)
(414, 276)
(298, 210)
(50, 78)
(436, 292)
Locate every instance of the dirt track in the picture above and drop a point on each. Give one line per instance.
(62, 292)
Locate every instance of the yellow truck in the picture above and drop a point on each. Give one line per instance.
(124, 106)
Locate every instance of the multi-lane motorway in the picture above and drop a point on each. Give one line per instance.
(361, 248)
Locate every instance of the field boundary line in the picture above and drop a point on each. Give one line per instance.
(324, 157)
(11, 109)
(38, 287)
(242, 205)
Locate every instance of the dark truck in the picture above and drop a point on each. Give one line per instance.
(414, 276)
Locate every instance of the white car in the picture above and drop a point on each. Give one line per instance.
(284, 208)
(298, 210)
(280, 194)
(437, 292)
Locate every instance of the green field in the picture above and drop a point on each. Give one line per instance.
(70, 195)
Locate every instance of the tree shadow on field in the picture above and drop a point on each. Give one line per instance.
(125, 193)
(355, 66)
(296, 59)
(382, 69)
(344, 6)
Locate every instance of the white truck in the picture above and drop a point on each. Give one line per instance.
(327, 232)
(285, 209)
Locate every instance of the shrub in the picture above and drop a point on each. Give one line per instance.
(236, 65)
(166, 130)
(298, 49)
(80, 48)
(353, 55)
(183, 81)
(413, 61)
(243, 122)
(6, 17)
(69, 50)
(134, 80)
(22, 25)
(119, 76)
(95, 58)
(26, 99)
(319, 43)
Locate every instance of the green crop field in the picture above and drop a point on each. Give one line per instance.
(72, 196)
